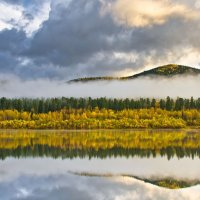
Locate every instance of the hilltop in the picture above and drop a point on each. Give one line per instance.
(170, 70)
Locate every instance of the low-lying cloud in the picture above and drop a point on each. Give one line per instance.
(188, 86)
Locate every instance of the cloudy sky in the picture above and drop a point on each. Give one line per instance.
(66, 39)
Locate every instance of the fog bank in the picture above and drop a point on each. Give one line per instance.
(142, 87)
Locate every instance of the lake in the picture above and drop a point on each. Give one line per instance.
(100, 164)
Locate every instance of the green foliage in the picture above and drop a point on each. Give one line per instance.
(88, 79)
(171, 183)
(57, 104)
(172, 69)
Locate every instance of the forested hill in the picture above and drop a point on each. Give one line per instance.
(170, 70)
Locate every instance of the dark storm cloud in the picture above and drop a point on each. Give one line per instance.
(74, 34)
(12, 44)
(165, 37)
(12, 41)
(8, 62)
(79, 35)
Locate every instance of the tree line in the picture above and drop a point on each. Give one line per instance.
(42, 105)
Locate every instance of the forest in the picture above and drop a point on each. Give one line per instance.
(102, 113)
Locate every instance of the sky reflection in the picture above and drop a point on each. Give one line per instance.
(37, 179)
(67, 186)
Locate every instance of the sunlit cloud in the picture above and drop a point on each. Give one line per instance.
(149, 12)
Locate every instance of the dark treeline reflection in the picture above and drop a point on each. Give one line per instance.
(47, 151)
(99, 144)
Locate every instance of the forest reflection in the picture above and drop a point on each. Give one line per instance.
(100, 144)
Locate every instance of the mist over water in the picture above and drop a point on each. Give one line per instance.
(142, 87)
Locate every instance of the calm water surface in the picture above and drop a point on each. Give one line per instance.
(100, 165)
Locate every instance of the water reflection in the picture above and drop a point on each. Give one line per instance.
(144, 168)
(101, 144)
(29, 170)
(70, 187)
(50, 179)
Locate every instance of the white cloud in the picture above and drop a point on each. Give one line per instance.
(38, 18)
(14, 16)
(22, 193)
(190, 56)
(9, 15)
(197, 4)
